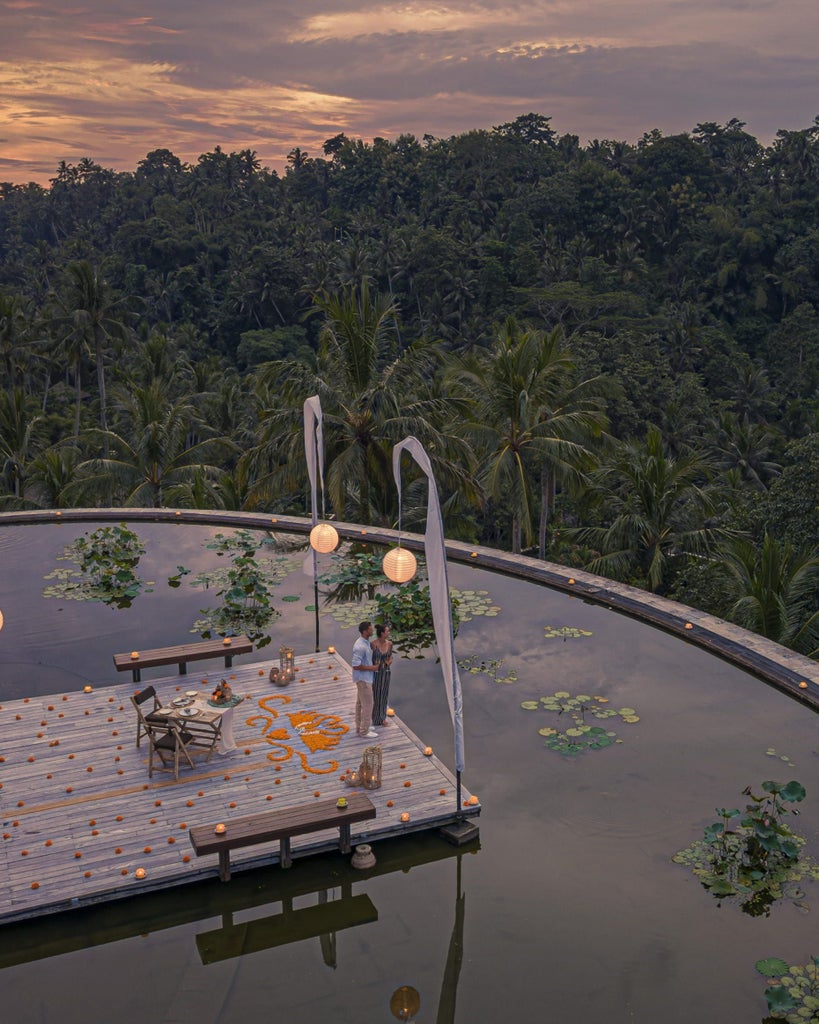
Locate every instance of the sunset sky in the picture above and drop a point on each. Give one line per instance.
(114, 79)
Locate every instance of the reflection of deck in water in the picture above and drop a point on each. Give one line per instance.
(327, 883)
(79, 814)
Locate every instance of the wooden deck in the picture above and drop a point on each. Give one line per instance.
(79, 815)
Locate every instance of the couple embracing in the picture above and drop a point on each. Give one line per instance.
(371, 674)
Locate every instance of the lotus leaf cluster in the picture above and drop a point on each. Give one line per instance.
(106, 562)
(793, 994)
(580, 736)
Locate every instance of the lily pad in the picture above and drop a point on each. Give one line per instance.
(772, 967)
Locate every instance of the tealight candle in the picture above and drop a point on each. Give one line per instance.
(331, 650)
(220, 829)
(688, 625)
(405, 816)
(390, 713)
(140, 873)
(87, 689)
(428, 751)
(226, 641)
(571, 580)
(134, 654)
(803, 685)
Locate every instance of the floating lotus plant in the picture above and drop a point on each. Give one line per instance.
(580, 735)
(565, 633)
(754, 856)
(793, 994)
(106, 563)
(491, 667)
(244, 586)
(772, 752)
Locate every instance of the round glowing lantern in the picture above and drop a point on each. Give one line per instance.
(399, 565)
(324, 538)
(405, 1003)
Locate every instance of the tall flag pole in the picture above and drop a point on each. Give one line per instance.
(435, 552)
(314, 452)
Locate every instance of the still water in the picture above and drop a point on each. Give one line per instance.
(570, 908)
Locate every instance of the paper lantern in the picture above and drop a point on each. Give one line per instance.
(399, 565)
(405, 1003)
(324, 538)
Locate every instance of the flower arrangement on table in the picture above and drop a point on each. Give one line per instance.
(223, 695)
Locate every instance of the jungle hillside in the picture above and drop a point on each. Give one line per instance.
(610, 351)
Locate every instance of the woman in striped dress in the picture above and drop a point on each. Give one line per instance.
(382, 657)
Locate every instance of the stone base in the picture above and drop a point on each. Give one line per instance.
(460, 832)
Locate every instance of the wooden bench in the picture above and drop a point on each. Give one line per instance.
(180, 655)
(281, 825)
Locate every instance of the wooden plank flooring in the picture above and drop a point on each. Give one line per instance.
(79, 814)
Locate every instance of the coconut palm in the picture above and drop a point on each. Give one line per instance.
(370, 399)
(92, 319)
(528, 416)
(772, 590)
(19, 427)
(152, 451)
(659, 507)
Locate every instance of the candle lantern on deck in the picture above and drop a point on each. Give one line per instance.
(287, 665)
(369, 771)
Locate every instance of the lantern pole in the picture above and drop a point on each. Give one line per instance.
(324, 537)
(462, 830)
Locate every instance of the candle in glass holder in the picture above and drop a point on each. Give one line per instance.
(140, 873)
(134, 654)
(226, 641)
(220, 829)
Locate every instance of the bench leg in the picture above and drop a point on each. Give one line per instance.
(136, 675)
(285, 859)
(228, 661)
(183, 668)
(344, 837)
(224, 865)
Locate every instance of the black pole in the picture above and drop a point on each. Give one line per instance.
(316, 599)
(458, 813)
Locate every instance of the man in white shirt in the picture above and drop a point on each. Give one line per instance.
(363, 675)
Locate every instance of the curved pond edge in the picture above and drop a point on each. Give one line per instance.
(792, 673)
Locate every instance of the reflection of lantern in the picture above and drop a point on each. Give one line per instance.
(1, 620)
(399, 565)
(369, 772)
(405, 1003)
(324, 538)
(287, 665)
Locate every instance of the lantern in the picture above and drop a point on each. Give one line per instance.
(287, 665)
(324, 538)
(369, 771)
(405, 1003)
(399, 565)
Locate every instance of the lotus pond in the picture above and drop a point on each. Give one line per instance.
(601, 750)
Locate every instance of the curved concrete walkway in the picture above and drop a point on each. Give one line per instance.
(792, 673)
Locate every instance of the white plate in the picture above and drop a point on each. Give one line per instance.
(191, 693)
(166, 711)
(189, 712)
(182, 702)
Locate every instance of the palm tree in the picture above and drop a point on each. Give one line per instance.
(370, 399)
(94, 319)
(659, 507)
(152, 452)
(18, 436)
(527, 416)
(772, 590)
(745, 446)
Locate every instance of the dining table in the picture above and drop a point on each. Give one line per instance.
(210, 722)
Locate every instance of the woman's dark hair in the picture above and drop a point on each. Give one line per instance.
(379, 630)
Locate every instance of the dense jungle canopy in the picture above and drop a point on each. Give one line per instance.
(611, 351)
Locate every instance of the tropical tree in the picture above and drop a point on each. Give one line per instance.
(772, 589)
(370, 399)
(92, 319)
(152, 452)
(659, 508)
(18, 437)
(527, 416)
